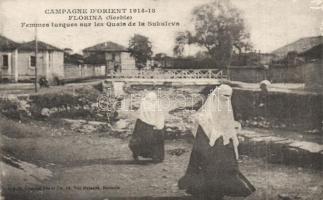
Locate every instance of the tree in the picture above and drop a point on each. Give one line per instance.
(140, 48)
(181, 40)
(160, 56)
(218, 27)
(202, 55)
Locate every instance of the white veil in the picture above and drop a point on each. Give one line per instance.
(216, 117)
(149, 111)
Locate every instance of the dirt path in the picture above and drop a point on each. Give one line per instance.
(93, 167)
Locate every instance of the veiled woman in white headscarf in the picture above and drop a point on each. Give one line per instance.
(148, 136)
(213, 169)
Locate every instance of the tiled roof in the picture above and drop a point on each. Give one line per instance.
(107, 46)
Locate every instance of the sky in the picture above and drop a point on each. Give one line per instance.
(271, 23)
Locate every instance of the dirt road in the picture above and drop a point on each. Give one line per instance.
(100, 167)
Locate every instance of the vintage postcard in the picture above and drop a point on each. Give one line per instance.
(161, 99)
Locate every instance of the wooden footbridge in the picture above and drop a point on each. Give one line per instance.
(180, 76)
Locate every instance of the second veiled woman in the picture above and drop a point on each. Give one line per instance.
(213, 170)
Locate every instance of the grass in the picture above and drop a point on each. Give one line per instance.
(14, 129)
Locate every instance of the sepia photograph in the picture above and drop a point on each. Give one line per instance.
(161, 100)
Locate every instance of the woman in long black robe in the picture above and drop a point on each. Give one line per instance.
(147, 142)
(148, 136)
(213, 170)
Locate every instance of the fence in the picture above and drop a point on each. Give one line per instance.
(7, 78)
(167, 74)
(73, 72)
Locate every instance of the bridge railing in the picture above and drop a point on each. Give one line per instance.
(167, 74)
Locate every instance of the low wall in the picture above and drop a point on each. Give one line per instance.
(276, 74)
(84, 71)
(284, 74)
(291, 111)
(247, 74)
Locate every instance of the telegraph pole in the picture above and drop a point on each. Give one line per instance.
(36, 52)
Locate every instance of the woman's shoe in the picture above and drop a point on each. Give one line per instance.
(135, 157)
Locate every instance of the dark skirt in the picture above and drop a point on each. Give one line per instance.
(147, 142)
(213, 172)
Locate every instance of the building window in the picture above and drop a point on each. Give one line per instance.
(32, 61)
(5, 61)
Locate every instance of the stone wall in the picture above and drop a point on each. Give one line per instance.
(314, 76)
(276, 74)
(292, 111)
(247, 74)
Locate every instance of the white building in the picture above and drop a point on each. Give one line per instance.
(18, 61)
(112, 55)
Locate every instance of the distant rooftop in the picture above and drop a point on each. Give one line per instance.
(300, 46)
(42, 46)
(95, 59)
(7, 44)
(107, 46)
(73, 59)
(314, 53)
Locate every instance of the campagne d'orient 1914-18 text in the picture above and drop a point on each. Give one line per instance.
(109, 17)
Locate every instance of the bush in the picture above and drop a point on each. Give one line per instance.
(79, 104)
(14, 108)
